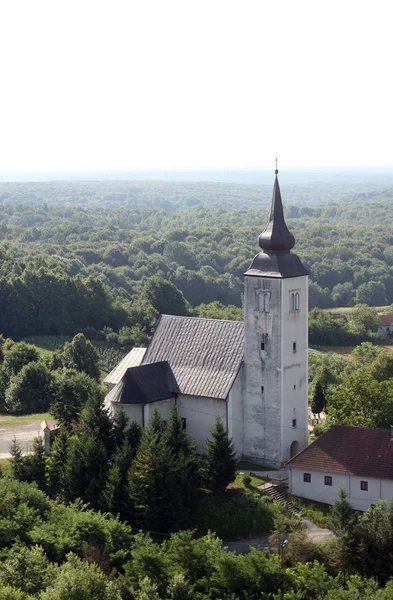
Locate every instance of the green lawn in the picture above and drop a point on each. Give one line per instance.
(14, 421)
(244, 465)
(317, 512)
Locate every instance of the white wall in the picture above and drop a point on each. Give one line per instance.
(318, 491)
(236, 412)
(269, 413)
(133, 411)
(163, 407)
(295, 366)
(200, 414)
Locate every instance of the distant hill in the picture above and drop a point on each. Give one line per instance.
(375, 175)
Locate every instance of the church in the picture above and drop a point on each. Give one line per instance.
(253, 375)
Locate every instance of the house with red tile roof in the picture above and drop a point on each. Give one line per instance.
(385, 324)
(358, 459)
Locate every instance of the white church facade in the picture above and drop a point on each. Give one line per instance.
(252, 374)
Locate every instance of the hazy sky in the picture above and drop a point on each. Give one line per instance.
(195, 83)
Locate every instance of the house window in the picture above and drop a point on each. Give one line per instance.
(364, 486)
(293, 422)
(262, 345)
(328, 480)
(262, 389)
(297, 301)
(264, 302)
(294, 386)
(307, 477)
(294, 346)
(184, 422)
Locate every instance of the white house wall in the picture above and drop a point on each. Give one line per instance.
(235, 412)
(317, 490)
(200, 414)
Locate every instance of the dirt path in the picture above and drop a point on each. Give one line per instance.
(25, 434)
(313, 532)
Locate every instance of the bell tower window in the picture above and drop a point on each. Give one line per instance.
(294, 302)
(264, 302)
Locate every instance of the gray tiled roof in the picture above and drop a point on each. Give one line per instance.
(204, 354)
(132, 359)
(145, 384)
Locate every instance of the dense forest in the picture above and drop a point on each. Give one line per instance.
(107, 257)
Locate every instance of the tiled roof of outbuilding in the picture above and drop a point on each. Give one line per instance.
(361, 451)
(145, 384)
(386, 319)
(204, 354)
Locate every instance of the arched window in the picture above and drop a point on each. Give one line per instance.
(264, 302)
(261, 302)
(297, 301)
(267, 302)
(292, 303)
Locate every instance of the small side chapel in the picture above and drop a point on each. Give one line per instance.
(252, 374)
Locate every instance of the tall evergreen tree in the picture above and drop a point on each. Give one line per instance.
(162, 484)
(318, 399)
(35, 464)
(120, 424)
(220, 459)
(133, 435)
(56, 464)
(86, 468)
(16, 460)
(114, 497)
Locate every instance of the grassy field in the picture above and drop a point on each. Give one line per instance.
(240, 512)
(346, 351)
(342, 310)
(317, 512)
(15, 421)
(244, 465)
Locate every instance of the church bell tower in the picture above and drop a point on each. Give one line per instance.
(276, 345)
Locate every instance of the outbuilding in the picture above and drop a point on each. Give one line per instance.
(357, 459)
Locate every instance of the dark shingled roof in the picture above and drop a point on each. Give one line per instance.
(276, 259)
(145, 384)
(358, 451)
(204, 354)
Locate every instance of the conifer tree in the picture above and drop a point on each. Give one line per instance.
(133, 435)
(114, 497)
(162, 484)
(36, 464)
(86, 468)
(120, 424)
(178, 438)
(152, 480)
(95, 418)
(16, 460)
(56, 464)
(220, 459)
(318, 399)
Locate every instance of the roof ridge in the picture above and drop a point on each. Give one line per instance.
(201, 318)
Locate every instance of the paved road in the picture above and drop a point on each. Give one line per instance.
(25, 434)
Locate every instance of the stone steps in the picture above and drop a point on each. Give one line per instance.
(273, 491)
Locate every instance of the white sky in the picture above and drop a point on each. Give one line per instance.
(195, 83)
